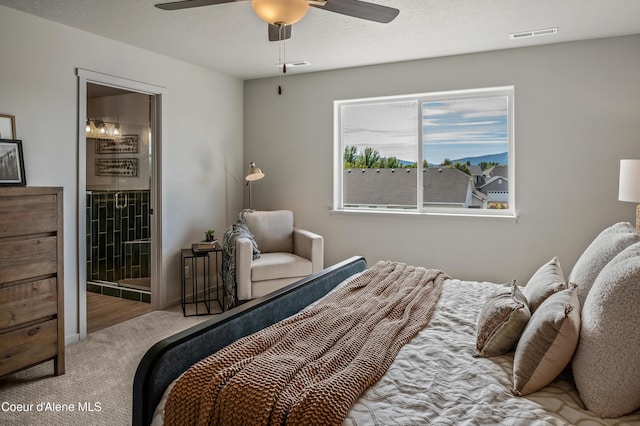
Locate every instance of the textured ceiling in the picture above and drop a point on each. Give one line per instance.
(231, 39)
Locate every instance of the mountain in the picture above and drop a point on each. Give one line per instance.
(502, 158)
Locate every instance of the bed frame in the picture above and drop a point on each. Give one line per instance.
(170, 357)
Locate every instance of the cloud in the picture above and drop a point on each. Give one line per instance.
(392, 127)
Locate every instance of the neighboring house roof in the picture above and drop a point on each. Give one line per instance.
(495, 184)
(475, 170)
(497, 171)
(398, 187)
(446, 185)
(480, 196)
(380, 186)
(501, 171)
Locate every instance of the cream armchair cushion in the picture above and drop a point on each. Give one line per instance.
(287, 254)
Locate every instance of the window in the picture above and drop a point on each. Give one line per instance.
(446, 152)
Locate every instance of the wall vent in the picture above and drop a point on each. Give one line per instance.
(533, 33)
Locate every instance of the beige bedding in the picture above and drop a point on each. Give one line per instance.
(311, 367)
(435, 380)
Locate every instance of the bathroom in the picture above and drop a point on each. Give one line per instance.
(118, 193)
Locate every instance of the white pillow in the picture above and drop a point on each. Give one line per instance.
(602, 249)
(547, 280)
(547, 343)
(606, 366)
(501, 321)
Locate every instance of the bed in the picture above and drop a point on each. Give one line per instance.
(440, 376)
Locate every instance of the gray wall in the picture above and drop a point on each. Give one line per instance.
(202, 164)
(577, 113)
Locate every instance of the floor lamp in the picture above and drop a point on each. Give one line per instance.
(254, 173)
(629, 189)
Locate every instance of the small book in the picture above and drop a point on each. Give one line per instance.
(204, 245)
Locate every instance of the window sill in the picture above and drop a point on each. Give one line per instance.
(435, 215)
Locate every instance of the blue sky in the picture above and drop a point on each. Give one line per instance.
(464, 128)
(451, 129)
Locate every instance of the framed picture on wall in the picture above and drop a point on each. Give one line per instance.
(7, 126)
(11, 163)
(127, 144)
(126, 167)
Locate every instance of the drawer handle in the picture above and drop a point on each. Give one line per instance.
(33, 331)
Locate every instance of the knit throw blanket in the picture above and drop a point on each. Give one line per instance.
(311, 367)
(237, 230)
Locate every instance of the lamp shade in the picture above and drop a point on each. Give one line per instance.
(629, 189)
(280, 12)
(254, 172)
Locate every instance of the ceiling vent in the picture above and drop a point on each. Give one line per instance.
(534, 33)
(295, 64)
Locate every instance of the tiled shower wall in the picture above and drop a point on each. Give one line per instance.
(117, 238)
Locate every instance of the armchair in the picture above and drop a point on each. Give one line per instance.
(287, 254)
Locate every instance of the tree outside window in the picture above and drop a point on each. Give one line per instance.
(435, 152)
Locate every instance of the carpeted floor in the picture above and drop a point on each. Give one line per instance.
(98, 381)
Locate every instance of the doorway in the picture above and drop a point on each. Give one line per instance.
(119, 124)
(118, 213)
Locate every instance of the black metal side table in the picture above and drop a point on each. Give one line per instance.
(196, 293)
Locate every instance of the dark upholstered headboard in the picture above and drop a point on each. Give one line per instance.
(170, 357)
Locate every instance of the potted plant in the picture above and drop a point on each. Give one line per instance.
(210, 235)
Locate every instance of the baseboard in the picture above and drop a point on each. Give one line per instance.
(74, 338)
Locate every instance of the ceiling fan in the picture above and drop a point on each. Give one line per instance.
(281, 14)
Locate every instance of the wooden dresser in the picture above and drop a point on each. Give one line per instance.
(31, 278)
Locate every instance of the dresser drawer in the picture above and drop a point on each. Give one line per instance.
(31, 278)
(29, 345)
(32, 214)
(27, 302)
(29, 258)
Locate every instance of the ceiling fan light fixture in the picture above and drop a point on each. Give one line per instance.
(280, 12)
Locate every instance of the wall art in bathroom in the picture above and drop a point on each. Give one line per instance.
(126, 144)
(126, 167)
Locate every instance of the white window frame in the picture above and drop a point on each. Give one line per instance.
(420, 98)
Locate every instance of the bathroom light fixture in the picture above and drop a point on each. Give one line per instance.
(253, 173)
(629, 189)
(95, 126)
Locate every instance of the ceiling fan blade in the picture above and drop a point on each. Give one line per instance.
(186, 4)
(360, 9)
(274, 32)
